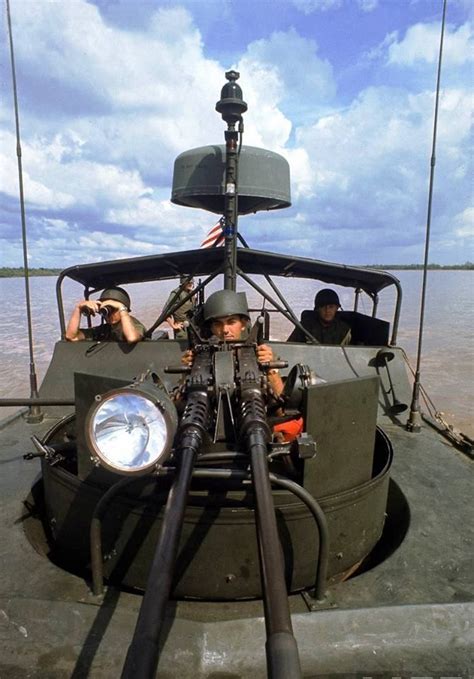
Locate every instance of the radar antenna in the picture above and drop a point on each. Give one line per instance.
(231, 107)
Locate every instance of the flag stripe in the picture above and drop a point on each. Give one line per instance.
(211, 239)
(215, 235)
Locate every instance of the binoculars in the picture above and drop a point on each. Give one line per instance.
(104, 311)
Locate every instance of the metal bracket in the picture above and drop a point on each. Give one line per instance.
(314, 604)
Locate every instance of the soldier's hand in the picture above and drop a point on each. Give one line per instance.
(89, 306)
(174, 324)
(188, 357)
(264, 354)
(111, 303)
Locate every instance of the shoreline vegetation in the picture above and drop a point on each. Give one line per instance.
(17, 272)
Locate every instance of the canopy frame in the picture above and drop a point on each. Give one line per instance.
(208, 262)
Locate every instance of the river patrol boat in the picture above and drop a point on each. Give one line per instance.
(141, 538)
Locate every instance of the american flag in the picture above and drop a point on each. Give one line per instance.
(215, 235)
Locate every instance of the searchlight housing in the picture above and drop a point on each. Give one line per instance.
(130, 430)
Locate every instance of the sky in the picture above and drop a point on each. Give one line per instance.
(111, 91)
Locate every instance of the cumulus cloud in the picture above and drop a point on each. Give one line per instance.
(163, 223)
(310, 6)
(36, 191)
(369, 165)
(118, 89)
(121, 69)
(60, 243)
(73, 181)
(263, 92)
(368, 5)
(421, 44)
(294, 89)
(136, 116)
(301, 174)
(108, 109)
(464, 222)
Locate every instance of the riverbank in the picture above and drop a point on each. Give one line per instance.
(17, 272)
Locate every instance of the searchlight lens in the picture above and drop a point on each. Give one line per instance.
(131, 432)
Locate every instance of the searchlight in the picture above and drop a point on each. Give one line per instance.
(130, 430)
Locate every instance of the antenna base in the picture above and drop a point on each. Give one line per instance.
(34, 415)
(414, 422)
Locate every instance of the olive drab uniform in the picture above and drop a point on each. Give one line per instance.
(111, 332)
(180, 314)
(338, 332)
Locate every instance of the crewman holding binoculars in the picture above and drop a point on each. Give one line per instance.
(118, 325)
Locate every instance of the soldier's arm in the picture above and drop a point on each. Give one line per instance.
(132, 330)
(73, 331)
(265, 355)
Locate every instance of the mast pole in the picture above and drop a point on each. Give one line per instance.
(34, 412)
(414, 419)
(231, 106)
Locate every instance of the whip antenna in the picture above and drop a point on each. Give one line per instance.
(414, 420)
(34, 413)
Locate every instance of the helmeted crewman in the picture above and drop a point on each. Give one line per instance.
(179, 316)
(323, 322)
(117, 323)
(226, 316)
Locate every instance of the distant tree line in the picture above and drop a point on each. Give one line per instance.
(445, 267)
(14, 272)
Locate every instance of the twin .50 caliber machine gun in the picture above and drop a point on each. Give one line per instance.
(206, 395)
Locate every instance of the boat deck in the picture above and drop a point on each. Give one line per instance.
(412, 613)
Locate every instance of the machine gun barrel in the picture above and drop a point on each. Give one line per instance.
(143, 654)
(281, 647)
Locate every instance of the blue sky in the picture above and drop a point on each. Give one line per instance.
(112, 91)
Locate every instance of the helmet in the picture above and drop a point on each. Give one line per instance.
(226, 303)
(185, 278)
(326, 296)
(118, 294)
